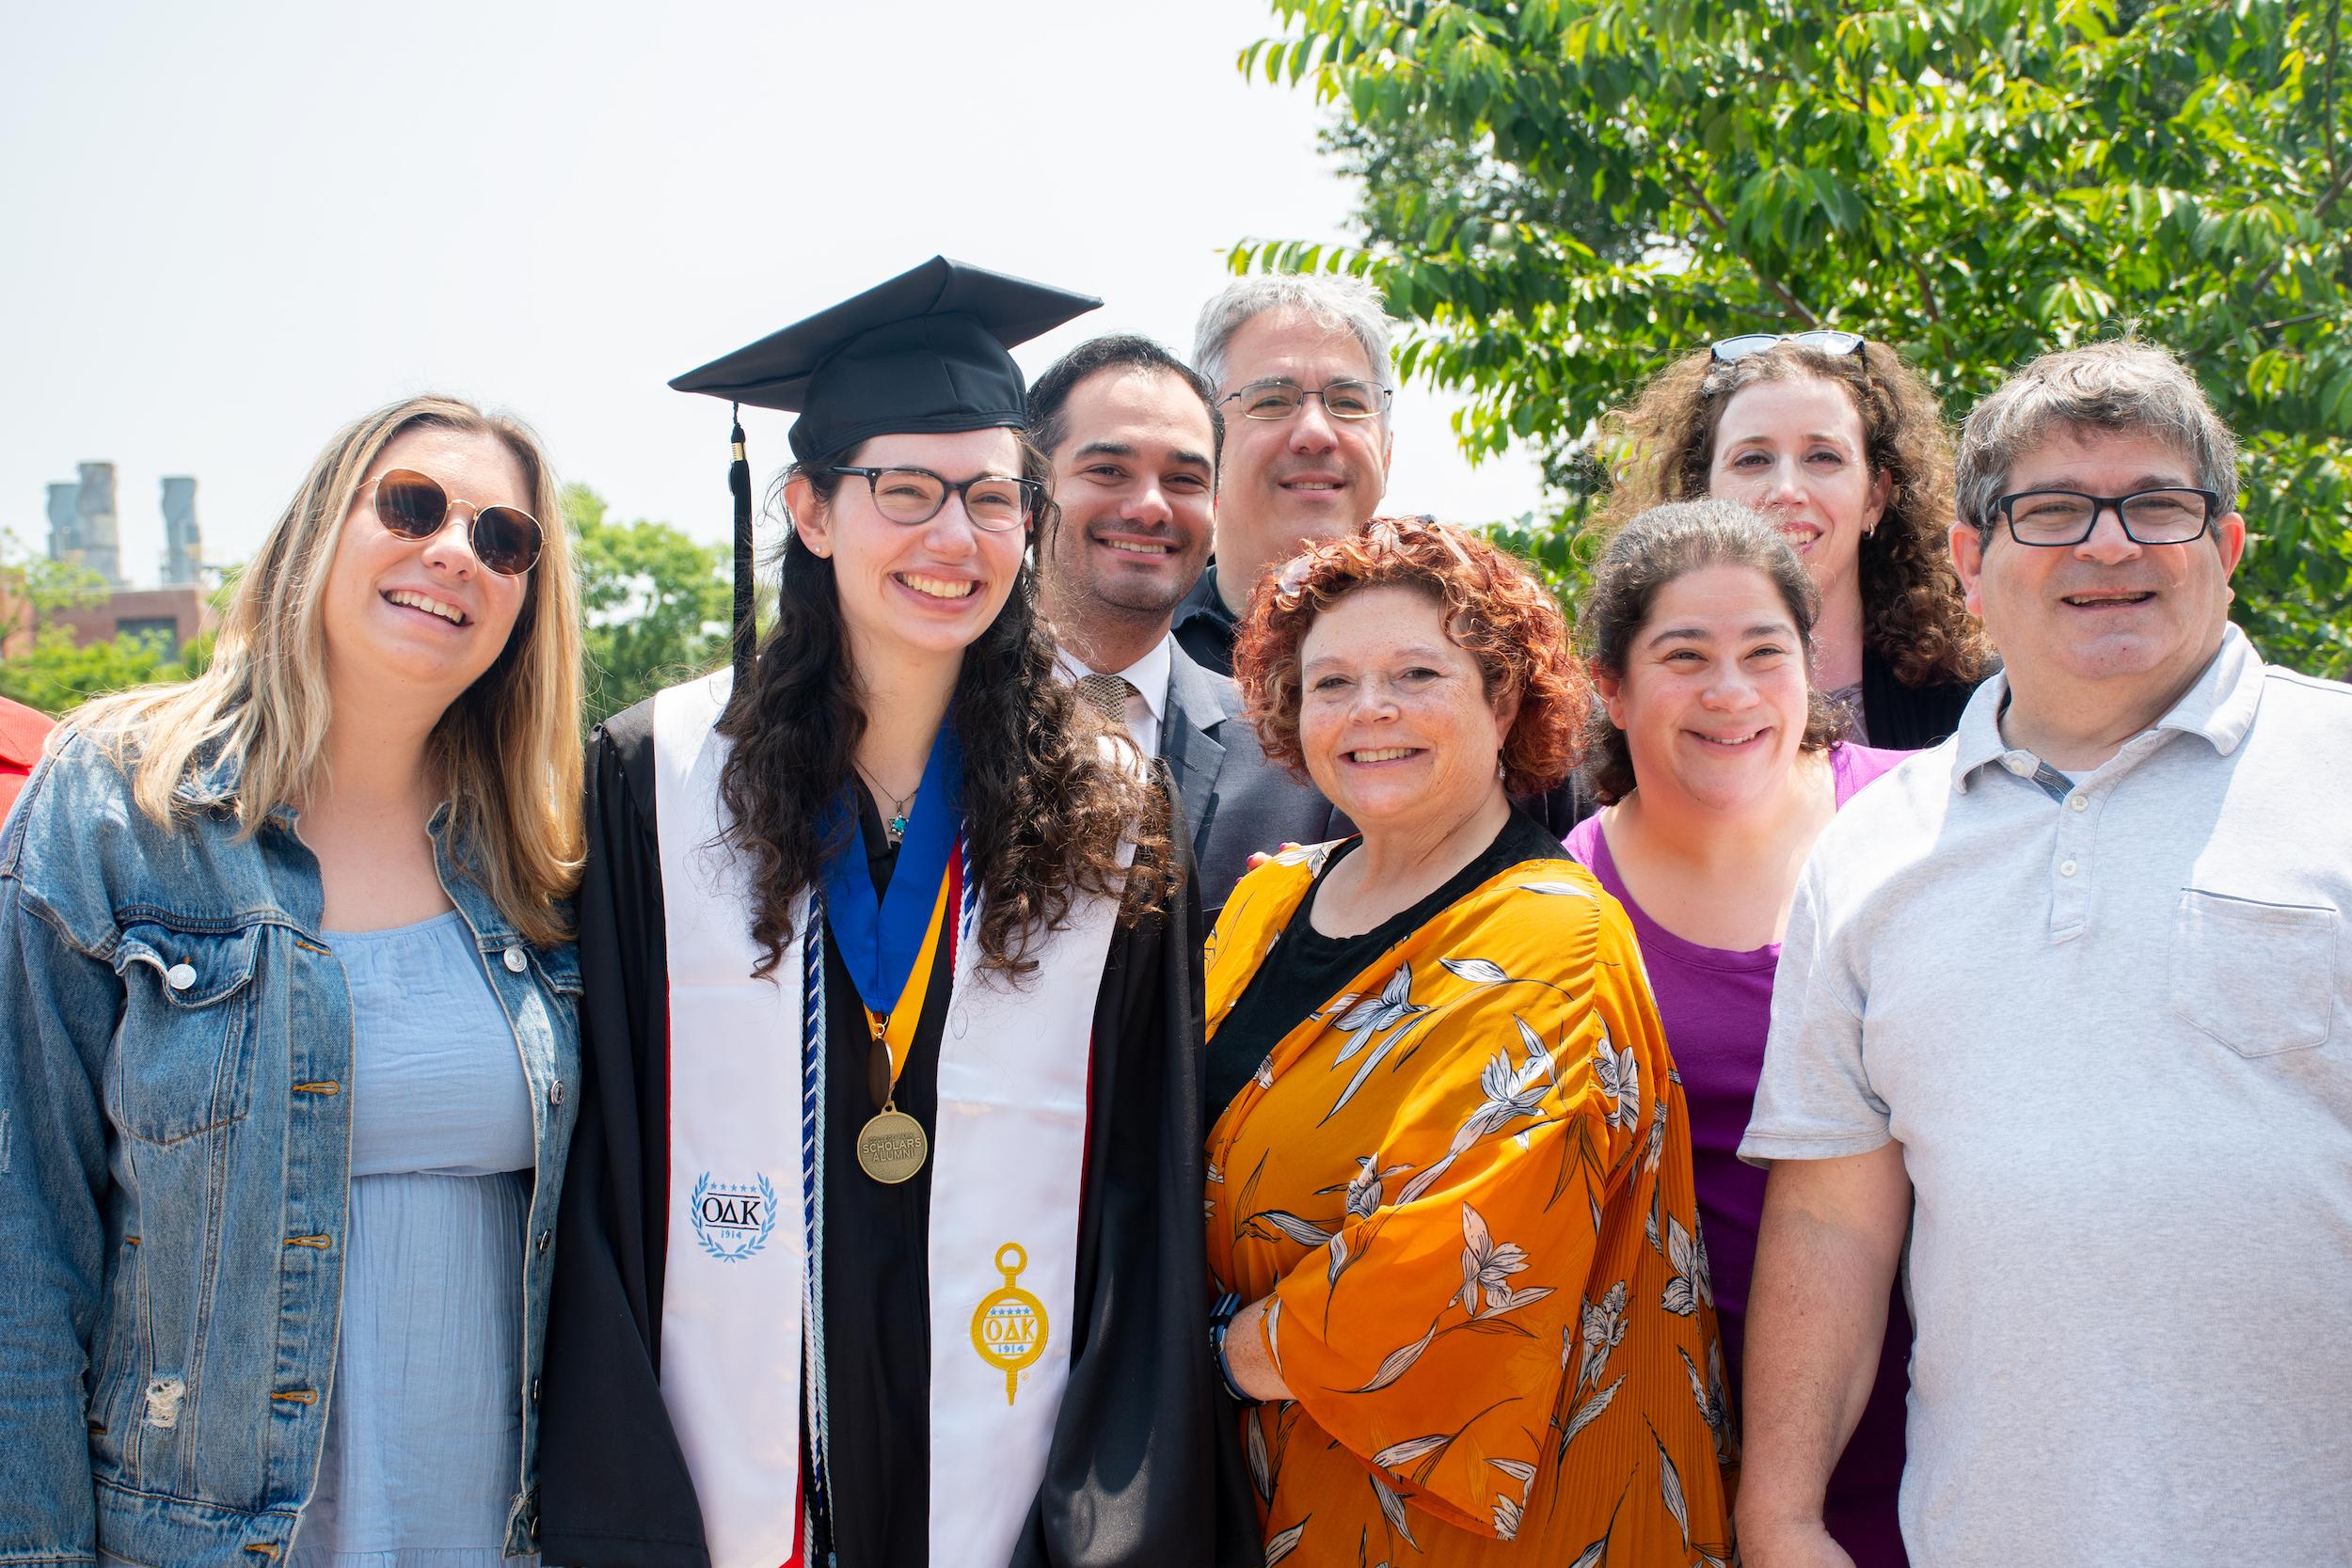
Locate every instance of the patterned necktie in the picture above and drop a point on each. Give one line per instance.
(1107, 695)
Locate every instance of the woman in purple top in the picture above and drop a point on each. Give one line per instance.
(1718, 760)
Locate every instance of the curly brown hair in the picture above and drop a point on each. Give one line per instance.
(1495, 610)
(1913, 616)
(1050, 787)
(1643, 557)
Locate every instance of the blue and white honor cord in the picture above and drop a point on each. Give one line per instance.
(812, 1209)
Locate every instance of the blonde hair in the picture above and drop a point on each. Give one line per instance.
(507, 750)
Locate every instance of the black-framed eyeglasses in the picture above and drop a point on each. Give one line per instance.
(414, 506)
(1829, 341)
(911, 496)
(1342, 400)
(2166, 514)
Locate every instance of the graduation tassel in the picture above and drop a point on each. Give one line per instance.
(746, 611)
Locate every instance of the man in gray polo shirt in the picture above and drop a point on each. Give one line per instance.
(2072, 994)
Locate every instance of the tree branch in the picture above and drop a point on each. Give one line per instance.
(2336, 188)
(1715, 219)
(2327, 87)
(1927, 293)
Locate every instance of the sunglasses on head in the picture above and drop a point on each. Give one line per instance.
(1724, 350)
(504, 538)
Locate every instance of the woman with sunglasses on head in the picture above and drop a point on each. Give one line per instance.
(880, 1245)
(288, 1005)
(1838, 444)
(1717, 753)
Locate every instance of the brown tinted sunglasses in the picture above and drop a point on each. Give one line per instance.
(414, 506)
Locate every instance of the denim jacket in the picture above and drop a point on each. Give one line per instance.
(175, 1158)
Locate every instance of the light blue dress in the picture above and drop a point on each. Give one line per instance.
(424, 1450)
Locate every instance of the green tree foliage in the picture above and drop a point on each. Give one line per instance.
(657, 604)
(1562, 195)
(56, 676)
(53, 674)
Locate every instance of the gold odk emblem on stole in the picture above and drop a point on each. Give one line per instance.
(1009, 1326)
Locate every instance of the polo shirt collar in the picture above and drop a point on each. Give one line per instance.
(2219, 707)
(1205, 600)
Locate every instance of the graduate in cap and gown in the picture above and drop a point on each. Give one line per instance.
(881, 1242)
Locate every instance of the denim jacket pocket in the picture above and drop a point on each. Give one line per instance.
(183, 1052)
(2258, 976)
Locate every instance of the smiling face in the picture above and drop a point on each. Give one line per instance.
(1794, 452)
(2107, 632)
(1714, 698)
(915, 593)
(1289, 482)
(416, 622)
(1394, 722)
(1135, 479)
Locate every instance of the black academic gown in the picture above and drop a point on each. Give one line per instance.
(1144, 1436)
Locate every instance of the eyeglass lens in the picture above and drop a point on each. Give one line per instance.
(916, 496)
(415, 506)
(1827, 340)
(2166, 516)
(1280, 400)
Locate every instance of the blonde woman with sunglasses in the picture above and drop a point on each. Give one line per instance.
(287, 1037)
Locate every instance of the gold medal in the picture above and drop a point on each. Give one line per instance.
(892, 1146)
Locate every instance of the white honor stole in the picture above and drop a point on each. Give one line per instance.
(1009, 1154)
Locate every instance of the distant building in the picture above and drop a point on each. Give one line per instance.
(82, 523)
(183, 543)
(174, 616)
(84, 529)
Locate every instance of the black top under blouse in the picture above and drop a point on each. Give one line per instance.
(1307, 969)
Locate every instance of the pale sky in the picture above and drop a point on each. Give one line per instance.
(236, 225)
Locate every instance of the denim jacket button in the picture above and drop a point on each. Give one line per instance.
(516, 962)
(555, 1092)
(544, 1239)
(179, 977)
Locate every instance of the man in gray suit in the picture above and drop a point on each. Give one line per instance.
(1135, 437)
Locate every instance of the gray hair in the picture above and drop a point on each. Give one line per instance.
(1332, 300)
(2122, 387)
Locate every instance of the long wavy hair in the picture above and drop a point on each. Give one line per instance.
(1913, 616)
(1050, 787)
(506, 752)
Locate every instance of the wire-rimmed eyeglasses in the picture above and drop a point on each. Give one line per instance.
(1829, 341)
(1342, 400)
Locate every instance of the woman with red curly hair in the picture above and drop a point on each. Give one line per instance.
(1451, 1182)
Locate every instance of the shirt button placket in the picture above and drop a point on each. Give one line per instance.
(2070, 899)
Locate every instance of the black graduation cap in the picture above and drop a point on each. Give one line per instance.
(925, 351)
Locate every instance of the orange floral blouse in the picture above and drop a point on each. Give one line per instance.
(1466, 1184)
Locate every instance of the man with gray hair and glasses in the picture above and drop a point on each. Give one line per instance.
(2069, 997)
(1300, 366)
